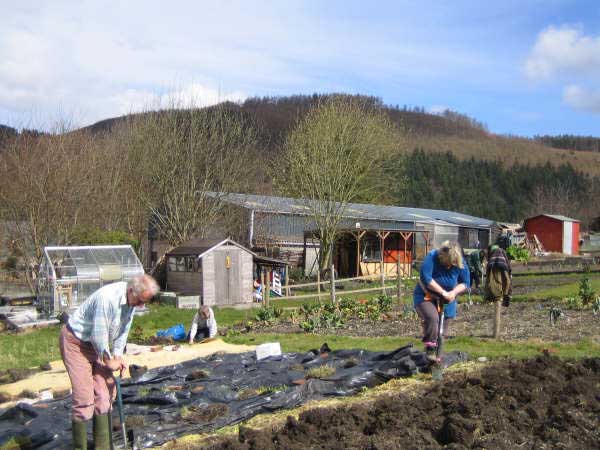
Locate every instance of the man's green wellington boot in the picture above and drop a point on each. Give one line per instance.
(79, 435)
(101, 434)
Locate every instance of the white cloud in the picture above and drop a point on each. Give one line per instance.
(582, 99)
(563, 51)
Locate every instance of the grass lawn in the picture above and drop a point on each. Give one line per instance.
(475, 347)
(32, 348)
(566, 290)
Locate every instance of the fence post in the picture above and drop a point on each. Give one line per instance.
(287, 281)
(332, 283)
(398, 279)
(319, 280)
(268, 291)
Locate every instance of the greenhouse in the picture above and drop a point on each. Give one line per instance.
(68, 275)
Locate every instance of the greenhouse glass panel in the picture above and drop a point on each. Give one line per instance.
(69, 275)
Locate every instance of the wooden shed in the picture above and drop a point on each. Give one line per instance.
(556, 233)
(220, 272)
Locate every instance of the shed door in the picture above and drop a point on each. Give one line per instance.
(567, 243)
(227, 277)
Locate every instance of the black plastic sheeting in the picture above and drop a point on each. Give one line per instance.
(204, 394)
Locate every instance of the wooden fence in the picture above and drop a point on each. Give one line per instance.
(332, 282)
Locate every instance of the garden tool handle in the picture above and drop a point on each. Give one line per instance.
(120, 406)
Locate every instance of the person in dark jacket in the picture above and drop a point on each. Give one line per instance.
(498, 282)
(443, 274)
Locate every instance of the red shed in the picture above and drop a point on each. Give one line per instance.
(556, 233)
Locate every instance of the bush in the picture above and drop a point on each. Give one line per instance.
(10, 263)
(518, 253)
(96, 236)
(586, 292)
(385, 303)
(265, 314)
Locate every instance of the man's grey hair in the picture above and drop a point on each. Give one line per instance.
(143, 283)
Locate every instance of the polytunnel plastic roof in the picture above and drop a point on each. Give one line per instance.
(88, 258)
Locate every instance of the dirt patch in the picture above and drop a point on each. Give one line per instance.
(521, 321)
(538, 403)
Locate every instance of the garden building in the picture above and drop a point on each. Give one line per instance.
(68, 275)
(219, 272)
(283, 228)
(556, 233)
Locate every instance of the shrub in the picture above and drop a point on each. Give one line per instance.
(267, 314)
(518, 253)
(10, 263)
(385, 303)
(586, 292)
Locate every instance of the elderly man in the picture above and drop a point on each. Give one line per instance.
(92, 344)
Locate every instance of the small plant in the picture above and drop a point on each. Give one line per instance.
(137, 334)
(265, 314)
(573, 303)
(409, 313)
(308, 326)
(556, 313)
(323, 371)
(596, 307)
(143, 391)
(586, 292)
(184, 411)
(518, 253)
(293, 316)
(249, 325)
(385, 303)
(262, 390)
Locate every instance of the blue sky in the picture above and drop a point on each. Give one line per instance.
(521, 67)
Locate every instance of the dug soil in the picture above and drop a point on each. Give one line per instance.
(531, 404)
(521, 321)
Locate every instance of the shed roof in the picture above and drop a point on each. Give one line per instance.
(555, 216)
(286, 205)
(200, 247)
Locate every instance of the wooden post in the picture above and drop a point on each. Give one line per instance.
(287, 281)
(332, 279)
(398, 278)
(498, 306)
(382, 237)
(319, 280)
(268, 291)
(264, 286)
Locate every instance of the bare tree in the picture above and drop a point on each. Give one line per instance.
(178, 157)
(45, 186)
(334, 157)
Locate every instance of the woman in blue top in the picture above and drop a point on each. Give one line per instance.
(443, 274)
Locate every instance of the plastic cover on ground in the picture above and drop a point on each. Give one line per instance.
(205, 394)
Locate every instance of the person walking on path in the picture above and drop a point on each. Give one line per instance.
(92, 344)
(443, 274)
(498, 282)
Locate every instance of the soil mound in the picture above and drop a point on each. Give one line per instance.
(538, 403)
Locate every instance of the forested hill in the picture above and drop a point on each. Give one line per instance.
(450, 131)
(571, 142)
(488, 189)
